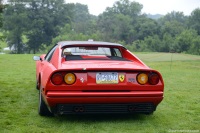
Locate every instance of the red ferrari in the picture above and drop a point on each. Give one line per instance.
(85, 77)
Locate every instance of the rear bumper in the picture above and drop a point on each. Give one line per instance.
(104, 94)
(103, 102)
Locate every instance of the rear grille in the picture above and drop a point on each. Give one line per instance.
(105, 108)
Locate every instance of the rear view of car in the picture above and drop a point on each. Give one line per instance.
(96, 77)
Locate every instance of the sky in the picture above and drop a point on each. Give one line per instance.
(163, 7)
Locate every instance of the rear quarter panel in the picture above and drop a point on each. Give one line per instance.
(130, 56)
(46, 73)
(39, 66)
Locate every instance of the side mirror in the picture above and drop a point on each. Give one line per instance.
(37, 58)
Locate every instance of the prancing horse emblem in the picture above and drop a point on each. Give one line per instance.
(82, 80)
(121, 77)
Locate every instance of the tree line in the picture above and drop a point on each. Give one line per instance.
(33, 26)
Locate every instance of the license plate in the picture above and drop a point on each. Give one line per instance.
(107, 78)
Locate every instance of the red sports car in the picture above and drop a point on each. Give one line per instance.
(84, 77)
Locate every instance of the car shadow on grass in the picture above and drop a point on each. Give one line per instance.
(102, 117)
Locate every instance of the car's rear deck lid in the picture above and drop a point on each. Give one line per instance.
(102, 65)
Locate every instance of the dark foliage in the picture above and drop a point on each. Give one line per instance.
(36, 25)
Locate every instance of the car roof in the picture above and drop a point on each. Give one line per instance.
(92, 43)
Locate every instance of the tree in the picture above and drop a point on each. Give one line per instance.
(1, 13)
(81, 20)
(117, 22)
(185, 39)
(1, 18)
(174, 16)
(195, 47)
(173, 27)
(146, 27)
(45, 18)
(126, 7)
(40, 21)
(194, 20)
(15, 18)
(173, 23)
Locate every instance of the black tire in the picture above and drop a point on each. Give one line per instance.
(42, 108)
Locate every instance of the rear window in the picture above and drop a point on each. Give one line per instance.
(92, 53)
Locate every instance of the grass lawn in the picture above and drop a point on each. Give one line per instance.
(178, 112)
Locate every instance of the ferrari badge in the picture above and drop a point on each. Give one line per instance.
(121, 77)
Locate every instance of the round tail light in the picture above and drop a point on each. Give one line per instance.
(153, 78)
(57, 79)
(70, 78)
(142, 78)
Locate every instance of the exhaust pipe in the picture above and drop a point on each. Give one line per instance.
(76, 109)
(79, 109)
(132, 108)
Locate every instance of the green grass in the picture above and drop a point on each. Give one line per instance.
(180, 109)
